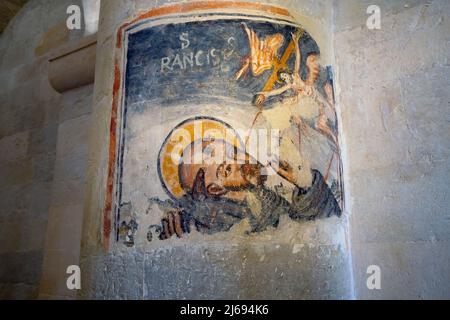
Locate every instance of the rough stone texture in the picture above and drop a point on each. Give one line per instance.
(395, 104)
(65, 217)
(295, 261)
(32, 115)
(245, 271)
(393, 99)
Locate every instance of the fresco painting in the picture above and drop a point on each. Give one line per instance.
(195, 94)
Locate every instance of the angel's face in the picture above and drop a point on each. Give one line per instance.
(285, 77)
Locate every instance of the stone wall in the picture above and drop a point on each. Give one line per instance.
(394, 102)
(42, 138)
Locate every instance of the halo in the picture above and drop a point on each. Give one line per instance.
(186, 132)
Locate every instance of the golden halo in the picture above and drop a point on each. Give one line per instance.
(188, 131)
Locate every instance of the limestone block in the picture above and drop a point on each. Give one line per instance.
(25, 201)
(409, 270)
(54, 37)
(20, 267)
(6, 79)
(19, 117)
(64, 228)
(73, 67)
(43, 139)
(221, 272)
(353, 13)
(71, 167)
(20, 234)
(18, 291)
(39, 199)
(54, 276)
(114, 276)
(76, 103)
(72, 135)
(14, 147)
(43, 166)
(17, 172)
(406, 32)
(401, 203)
(68, 192)
(394, 101)
(15, 201)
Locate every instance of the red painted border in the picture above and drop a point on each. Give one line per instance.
(165, 10)
(202, 5)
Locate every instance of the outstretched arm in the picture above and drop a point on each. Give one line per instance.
(247, 31)
(275, 92)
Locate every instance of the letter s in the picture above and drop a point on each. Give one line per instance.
(184, 40)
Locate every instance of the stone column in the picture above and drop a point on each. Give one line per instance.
(120, 258)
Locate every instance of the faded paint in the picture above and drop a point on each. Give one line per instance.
(286, 80)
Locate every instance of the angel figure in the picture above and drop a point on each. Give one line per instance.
(300, 88)
(263, 53)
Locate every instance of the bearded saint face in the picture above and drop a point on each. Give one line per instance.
(223, 168)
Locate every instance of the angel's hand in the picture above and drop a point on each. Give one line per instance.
(260, 98)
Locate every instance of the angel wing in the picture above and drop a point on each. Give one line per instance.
(263, 53)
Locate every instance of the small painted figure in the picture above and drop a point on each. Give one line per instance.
(127, 232)
(263, 53)
(305, 88)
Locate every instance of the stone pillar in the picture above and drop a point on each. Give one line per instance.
(161, 67)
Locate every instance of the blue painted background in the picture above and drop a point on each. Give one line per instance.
(146, 48)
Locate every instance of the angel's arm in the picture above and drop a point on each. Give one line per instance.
(247, 31)
(276, 91)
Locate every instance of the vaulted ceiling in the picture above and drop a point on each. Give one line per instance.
(8, 9)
